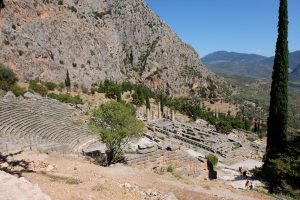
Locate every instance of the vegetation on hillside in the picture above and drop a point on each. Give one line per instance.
(141, 95)
(7, 75)
(66, 98)
(8, 81)
(37, 87)
(115, 123)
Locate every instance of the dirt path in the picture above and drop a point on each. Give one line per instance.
(76, 178)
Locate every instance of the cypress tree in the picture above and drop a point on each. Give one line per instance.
(1, 5)
(278, 111)
(147, 100)
(67, 80)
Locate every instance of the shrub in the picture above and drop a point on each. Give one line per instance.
(4, 85)
(66, 98)
(17, 90)
(38, 88)
(170, 169)
(212, 158)
(50, 86)
(61, 85)
(223, 126)
(7, 75)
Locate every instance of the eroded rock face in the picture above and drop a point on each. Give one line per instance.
(97, 40)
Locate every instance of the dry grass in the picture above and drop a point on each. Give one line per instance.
(67, 180)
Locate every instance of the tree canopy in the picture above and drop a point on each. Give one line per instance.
(115, 124)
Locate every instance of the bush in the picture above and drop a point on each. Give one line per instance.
(61, 85)
(38, 88)
(224, 126)
(17, 90)
(66, 98)
(212, 158)
(50, 86)
(7, 75)
(4, 85)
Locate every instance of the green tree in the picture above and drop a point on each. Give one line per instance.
(116, 124)
(68, 81)
(278, 112)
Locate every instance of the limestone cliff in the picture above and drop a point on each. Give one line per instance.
(97, 40)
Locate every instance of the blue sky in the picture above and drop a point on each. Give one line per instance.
(247, 26)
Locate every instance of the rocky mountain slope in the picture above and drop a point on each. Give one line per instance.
(242, 64)
(295, 74)
(97, 40)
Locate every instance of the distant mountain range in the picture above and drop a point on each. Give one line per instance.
(251, 65)
(295, 75)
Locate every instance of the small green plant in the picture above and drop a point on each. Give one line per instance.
(212, 158)
(161, 138)
(170, 168)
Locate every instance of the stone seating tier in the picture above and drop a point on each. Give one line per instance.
(41, 122)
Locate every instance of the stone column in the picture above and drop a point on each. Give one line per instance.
(158, 111)
(168, 113)
(147, 114)
(172, 115)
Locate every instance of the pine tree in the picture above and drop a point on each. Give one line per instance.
(278, 112)
(67, 80)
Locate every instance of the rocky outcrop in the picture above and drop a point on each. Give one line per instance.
(97, 40)
(12, 187)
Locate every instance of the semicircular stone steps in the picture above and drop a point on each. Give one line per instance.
(42, 123)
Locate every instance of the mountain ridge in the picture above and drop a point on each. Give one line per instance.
(242, 64)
